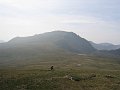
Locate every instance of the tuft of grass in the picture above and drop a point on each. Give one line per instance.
(41, 80)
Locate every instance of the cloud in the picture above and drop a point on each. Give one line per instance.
(30, 4)
(90, 19)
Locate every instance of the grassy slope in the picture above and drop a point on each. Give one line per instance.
(35, 75)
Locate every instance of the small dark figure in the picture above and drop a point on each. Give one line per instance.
(93, 75)
(51, 68)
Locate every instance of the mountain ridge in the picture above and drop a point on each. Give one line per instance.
(57, 42)
(104, 46)
(61, 39)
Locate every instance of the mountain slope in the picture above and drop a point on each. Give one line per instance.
(53, 40)
(105, 46)
(42, 46)
(115, 52)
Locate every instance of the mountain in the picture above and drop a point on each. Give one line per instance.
(105, 46)
(115, 52)
(67, 41)
(43, 46)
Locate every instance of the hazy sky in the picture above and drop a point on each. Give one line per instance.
(95, 20)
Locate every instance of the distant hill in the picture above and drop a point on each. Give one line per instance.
(108, 53)
(105, 46)
(115, 52)
(47, 44)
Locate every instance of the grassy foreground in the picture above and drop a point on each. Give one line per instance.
(87, 72)
(55, 80)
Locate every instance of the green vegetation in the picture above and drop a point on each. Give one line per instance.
(87, 72)
(52, 80)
